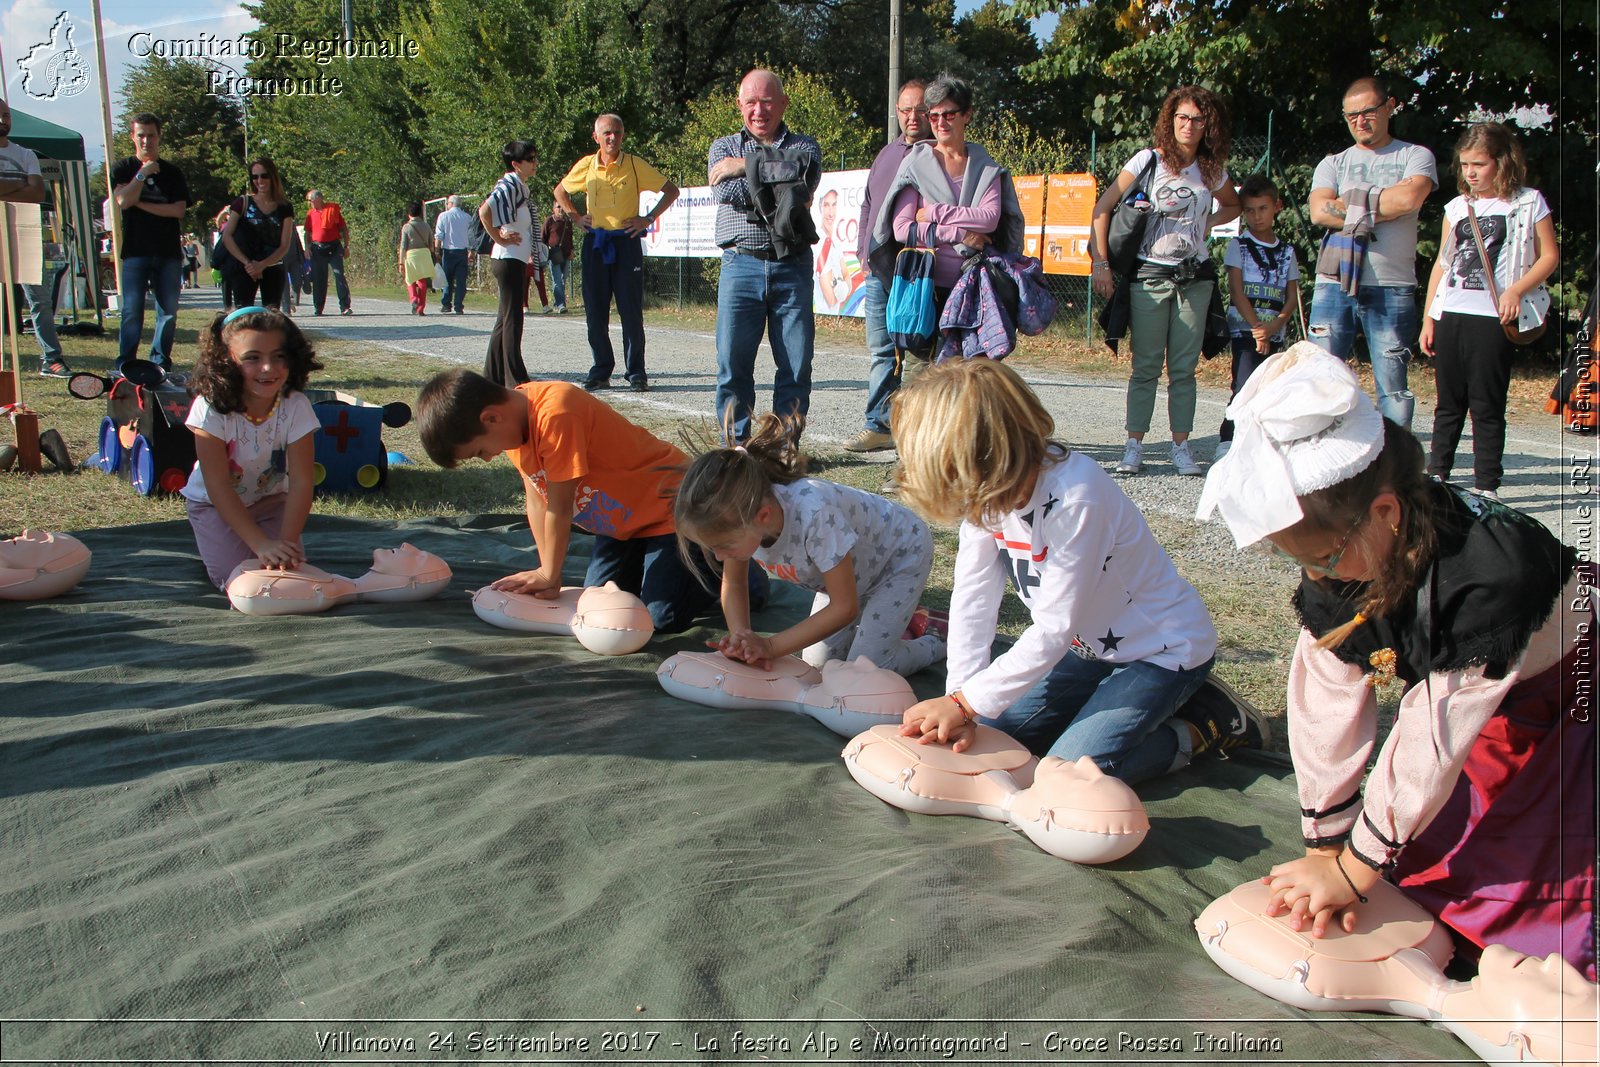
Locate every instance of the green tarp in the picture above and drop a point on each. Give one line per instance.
(393, 828)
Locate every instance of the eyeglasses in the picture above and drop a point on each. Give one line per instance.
(260, 177)
(944, 116)
(1328, 566)
(912, 110)
(1368, 113)
(1190, 120)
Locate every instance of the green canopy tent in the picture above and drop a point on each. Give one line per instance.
(66, 172)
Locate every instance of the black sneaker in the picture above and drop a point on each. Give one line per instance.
(594, 385)
(54, 368)
(1224, 719)
(639, 385)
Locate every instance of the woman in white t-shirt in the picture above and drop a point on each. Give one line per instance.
(507, 216)
(1170, 293)
(1463, 330)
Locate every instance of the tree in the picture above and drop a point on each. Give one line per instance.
(201, 132)
(814, 109)
(1293, 59)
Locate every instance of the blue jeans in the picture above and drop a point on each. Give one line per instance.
(622, 279)
(149, 273)
(652, 569)
(1116, 714)
(454, 263)
(756, 296)
(883, 375)
(326, 256)
(42, 308)
(1388, 317)
(558, 283)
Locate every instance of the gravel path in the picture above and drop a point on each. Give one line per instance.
(1548, 473)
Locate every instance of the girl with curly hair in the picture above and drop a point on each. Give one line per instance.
(1184, 179)
(250, 491)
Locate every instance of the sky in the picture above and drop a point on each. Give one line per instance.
(38, 76)
(39, 67)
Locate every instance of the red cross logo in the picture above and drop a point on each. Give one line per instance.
(343, 432)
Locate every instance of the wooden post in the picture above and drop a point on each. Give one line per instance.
(26, 424)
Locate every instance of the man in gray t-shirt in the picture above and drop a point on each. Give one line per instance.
(1403, 175)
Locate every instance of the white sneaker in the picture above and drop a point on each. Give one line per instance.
(1222, 450)
(1183, 462)
(1132, 457)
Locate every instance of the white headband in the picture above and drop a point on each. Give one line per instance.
(1301, 423)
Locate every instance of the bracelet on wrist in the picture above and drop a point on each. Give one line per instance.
(967, 714)
(1096, 264)
(1338, 861)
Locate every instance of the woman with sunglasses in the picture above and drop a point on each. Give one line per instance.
(949, 191)
(258, 233)
(1480, 801)
(1186, 189)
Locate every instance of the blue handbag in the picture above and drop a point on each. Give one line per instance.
(910, 315)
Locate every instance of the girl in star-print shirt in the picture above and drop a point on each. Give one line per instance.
(1118, 640)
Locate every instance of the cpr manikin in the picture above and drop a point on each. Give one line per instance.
(1517, 1010)
(1073, 811)
(845, 697)
(36, 566)
(398, 574)
(606, 620)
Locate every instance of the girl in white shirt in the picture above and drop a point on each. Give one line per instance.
(1463, 328)
(1118, 640)
(866, 558)
(250, 492)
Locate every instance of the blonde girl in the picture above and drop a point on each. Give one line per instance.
(1118, 640)
(250, 491)
(1463, 328)
(866, 558)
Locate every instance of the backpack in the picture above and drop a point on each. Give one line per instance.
(909, 316)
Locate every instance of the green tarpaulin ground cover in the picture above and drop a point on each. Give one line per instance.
(393, 833)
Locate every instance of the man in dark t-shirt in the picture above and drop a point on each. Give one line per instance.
(153, 195)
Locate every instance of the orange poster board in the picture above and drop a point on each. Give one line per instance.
(1069, 206)
(1030, 196)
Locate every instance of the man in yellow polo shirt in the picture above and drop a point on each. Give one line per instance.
(610, 182)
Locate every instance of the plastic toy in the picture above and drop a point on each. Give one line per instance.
(1073, 811)
(350, 456)
(605, 619)
(1517, 1010)
(398, 574)
(845, 697)
(37, 566)
(143, 438)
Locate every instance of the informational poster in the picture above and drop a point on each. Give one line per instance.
(689, 227)
(1068, 210)
(840, 274)
(1030, 196)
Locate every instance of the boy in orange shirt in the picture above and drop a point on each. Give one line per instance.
(583, 465)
